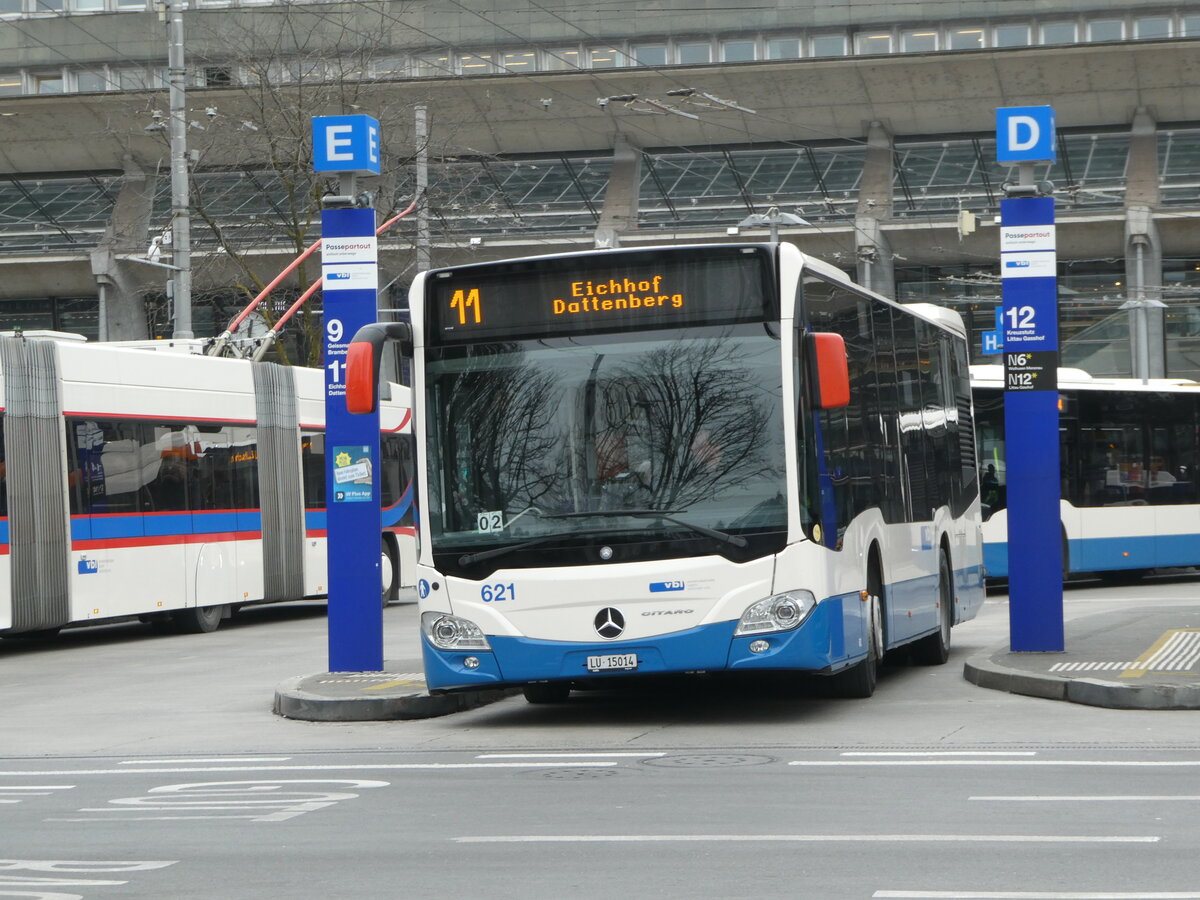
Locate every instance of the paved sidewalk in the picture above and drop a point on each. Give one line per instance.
(1137, 658)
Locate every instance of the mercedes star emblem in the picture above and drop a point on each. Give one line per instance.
(609, 623)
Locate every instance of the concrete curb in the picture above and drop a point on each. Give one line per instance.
(292, 701)
(983, 670)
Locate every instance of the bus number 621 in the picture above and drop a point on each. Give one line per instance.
(494, 593)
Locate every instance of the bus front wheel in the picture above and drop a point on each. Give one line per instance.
(547, 692)
(858, 682)
(934, 649)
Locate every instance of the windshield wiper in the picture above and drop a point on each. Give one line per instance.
(736, 539)
(470, 559)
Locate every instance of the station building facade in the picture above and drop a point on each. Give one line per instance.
(862, 132)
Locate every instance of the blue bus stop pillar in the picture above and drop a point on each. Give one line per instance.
(349, 268)
(1030, 313)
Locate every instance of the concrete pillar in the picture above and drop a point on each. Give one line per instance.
(876, 268)
(119, 284)
(1143, 251)
(620, 210)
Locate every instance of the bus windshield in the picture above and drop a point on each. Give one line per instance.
(527, 437)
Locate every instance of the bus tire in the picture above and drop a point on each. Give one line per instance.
(547, 692)
(198, 619)
(858, 681)
(934, 649)
(389, 565)
(38, 634)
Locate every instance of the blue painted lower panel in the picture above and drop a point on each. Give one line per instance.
(517, 660)
(1112, 554)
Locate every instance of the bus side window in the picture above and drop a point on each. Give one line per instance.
(167, 483)
(312, 454)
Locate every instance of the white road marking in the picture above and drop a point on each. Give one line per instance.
(1099, 763)
(808, 838)
(357, 767)
(1037, 895)
(4, 789)
(1123, 798)
(187, 761)
(604, 754)
(940, 753)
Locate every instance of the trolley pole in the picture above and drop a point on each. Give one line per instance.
(1029, 287)
(181, 222)
(349, 146)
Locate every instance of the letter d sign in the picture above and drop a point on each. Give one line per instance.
(1025, 134)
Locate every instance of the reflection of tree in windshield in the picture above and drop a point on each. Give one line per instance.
(681, 423)
(502, 445)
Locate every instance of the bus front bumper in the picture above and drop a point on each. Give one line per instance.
(815, 645)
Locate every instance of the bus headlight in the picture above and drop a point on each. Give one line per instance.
(447, 632)
(783, 612)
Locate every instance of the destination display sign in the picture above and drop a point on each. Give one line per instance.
(610, 291)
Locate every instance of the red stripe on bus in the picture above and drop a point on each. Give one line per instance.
(183, 420)
(164, 540)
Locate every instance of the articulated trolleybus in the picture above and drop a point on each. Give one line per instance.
(168, 485)
(679, 460)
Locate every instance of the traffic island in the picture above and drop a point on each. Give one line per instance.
(1132, 659)
(396, 693)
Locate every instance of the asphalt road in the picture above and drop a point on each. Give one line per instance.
(139, 766)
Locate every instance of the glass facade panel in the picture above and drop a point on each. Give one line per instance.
(966, 38)
(650, 55)
(1190, 26)
(829, 45)
(10, 84)
(1179, 166)
(10, 6)
(434, 65)
(519, 61)
(1106, 30)
(133, 79)
(918, 41)
(560, 60)
(694, 52)
(1011, 36)
(738, 51)
(91, 81)
(1057, 33)
(1152, 28)
(875, 43)
(606, 57)
(783, 48)
(481, 64)
(390, 67)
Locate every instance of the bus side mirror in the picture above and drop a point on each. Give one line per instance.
(362, 362)
(829, 372)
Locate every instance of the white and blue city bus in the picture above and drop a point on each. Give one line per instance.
(1130, 459)
(682, 459)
